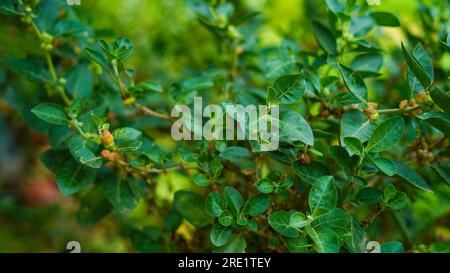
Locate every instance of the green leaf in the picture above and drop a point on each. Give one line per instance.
(191, 206)
(417, 68)
(236, 244)
(341, 158)
(293, 127)
(7, 7)
(127, 139)
(200, 180)
(411, 176)
(386, 135)
(80, 149)
(389, 192)
(337, 219)
(98, 58)
(323, 196)
(324, 238)
(29, 69)
(239, 156)
(258, 204)
(264, 185)
(369, 62)
(51, 113)
(438, 120)
(280, 222)
(215, 204)
(385, 19)
(287, 89)
(357, 239)
(297, 220)
(354, 83)
(233, 198)
(442, 172)
(354, 145)
(119, 193)
(226, 219)
(355, 123)
(361, 26)
(297, 245)
(309, 173)
(368, 196)
(220, 235)
(424, 59)
(121, 48)
(336, 6)
(80, 82)
(324, 38)
(392, 247)
(441, 98)
(147, 86)
(398, 202)
(73, 177)
(385, 165)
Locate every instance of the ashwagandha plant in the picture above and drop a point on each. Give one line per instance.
(363, 129)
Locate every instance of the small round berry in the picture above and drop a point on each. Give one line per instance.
(106, 153)
(129, 101)
(107, 137)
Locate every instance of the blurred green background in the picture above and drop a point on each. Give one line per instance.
(167, 39)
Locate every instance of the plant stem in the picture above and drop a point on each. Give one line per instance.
(152, 113)
(398, 110)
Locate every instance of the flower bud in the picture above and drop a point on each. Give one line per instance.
(420, 98)
(129, 101)
(106, 153)
(403, 104)
(107, 137)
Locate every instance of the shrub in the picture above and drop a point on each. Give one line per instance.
(364, 131)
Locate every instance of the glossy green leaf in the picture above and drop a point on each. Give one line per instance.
(441, 98)
(287, 89)
(386, 19)
(293, 127)
(233, 198)
(438, 120)
(368, 196)
(417, 68)
(310, 173)
(323, 195)
(215, 204)
(264, 185)
(226, 218)
(385, 165)
(258, 204)
(325, 239)
(324, 38)
(73, 177)
(355, 123)
(386, 135)
(236, 244)
(51, 113)
(411, 176)
(220, 235)
(354, 83)
(280, 222)
(200, 180)
(354, 145)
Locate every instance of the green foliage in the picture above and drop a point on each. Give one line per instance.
(363, 128)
